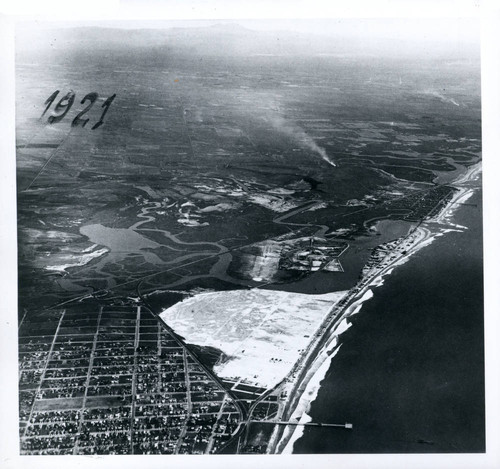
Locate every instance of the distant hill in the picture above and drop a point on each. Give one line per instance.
(232, 39)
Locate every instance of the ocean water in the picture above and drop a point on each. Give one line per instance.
(410, 373)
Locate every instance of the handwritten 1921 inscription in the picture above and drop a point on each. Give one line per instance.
(64, 105)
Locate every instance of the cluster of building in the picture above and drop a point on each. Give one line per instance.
(313, 254)
(388, 252)
(117, 382)
(423, 203)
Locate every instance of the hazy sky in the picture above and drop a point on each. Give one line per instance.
(414, 29)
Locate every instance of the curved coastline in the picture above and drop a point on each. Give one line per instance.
(305, 389)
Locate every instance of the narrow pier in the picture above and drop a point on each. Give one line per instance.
(310, 424)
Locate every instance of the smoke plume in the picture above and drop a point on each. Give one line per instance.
(296, 133)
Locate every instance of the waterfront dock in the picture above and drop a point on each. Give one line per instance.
(310, 424)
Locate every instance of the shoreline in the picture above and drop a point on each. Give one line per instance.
(307, 387)
(304, 406)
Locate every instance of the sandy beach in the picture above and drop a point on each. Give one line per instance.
(303, 390)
